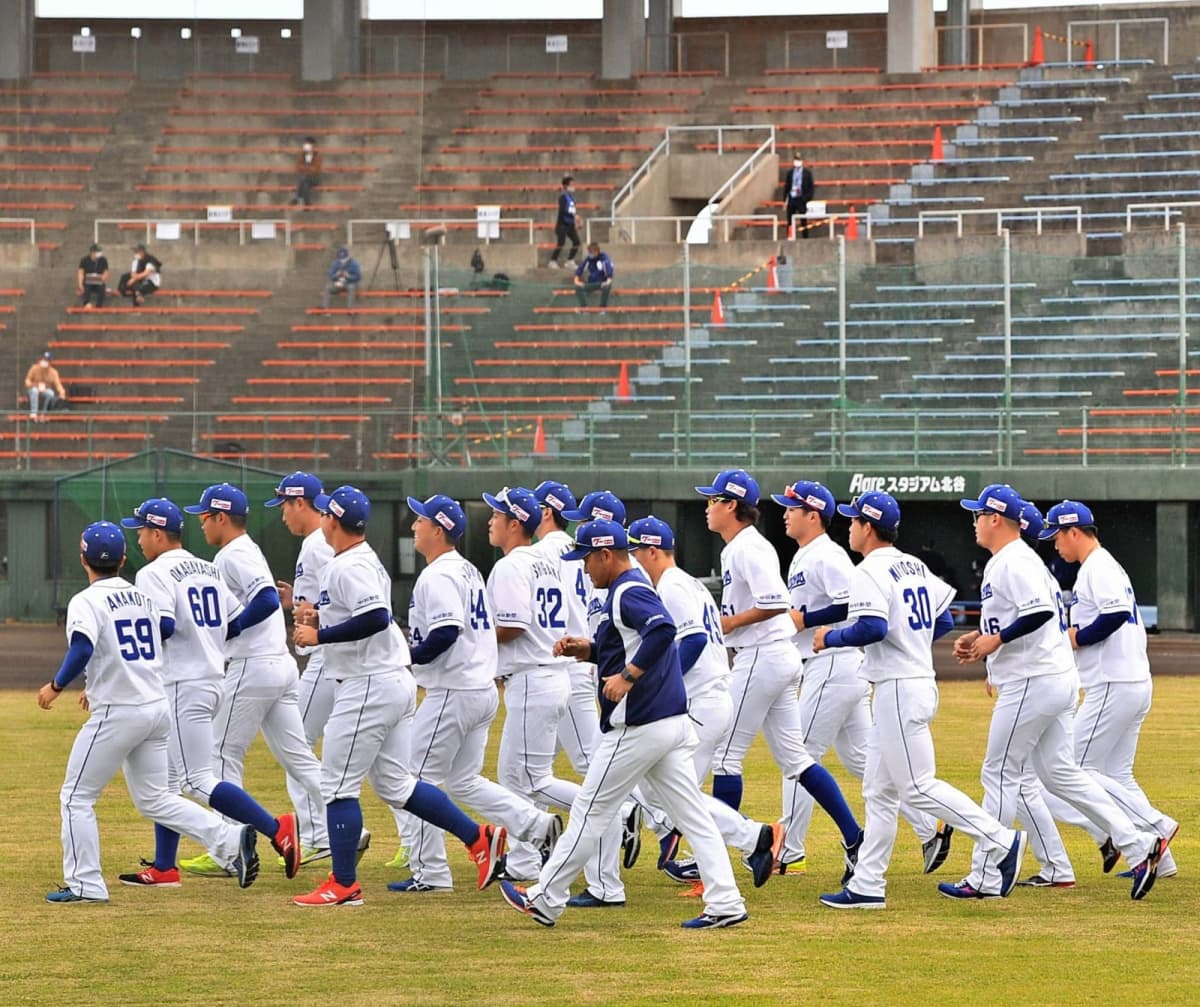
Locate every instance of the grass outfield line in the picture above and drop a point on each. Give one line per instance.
(209, 943)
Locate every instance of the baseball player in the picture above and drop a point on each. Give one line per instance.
(646, 733)
(766, 664)
(898, 608)
(525, 591)
(114, 640)
(1023, 636)
(374, 700)
(835, 703)
(260, 686)
(195, 611)
(453, 636)
(1109, 641)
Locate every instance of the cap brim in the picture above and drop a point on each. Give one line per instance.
(846, 510)
(132, 522)
(973, 505)
(575, 554)
(417, 507)
(708, 491)
(196, 509)
(321, 502)
(278, 501)
(783, 501)
(495, 504)
(1048, 533)
(573, 515)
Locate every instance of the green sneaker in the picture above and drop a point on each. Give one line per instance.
(399, 861)
(308, 855)
(205, 867)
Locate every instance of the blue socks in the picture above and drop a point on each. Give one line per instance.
(728, 789)
(233, 802)
(817, 780)
(436, 808)
(166, 847)
(345, 821)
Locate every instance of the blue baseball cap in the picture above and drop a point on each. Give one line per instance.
(732, 484)
(604, 505)
(441, 510)
(1032, 522)
(297, 486)
(876, 507)
(809, 495)
(159, 513)
(592, 536)
(349, 505)
(1068, 514)
(651, 531)
(554, 495)
(102, 543)
(998, 498)
(518, 503)
(221, 497)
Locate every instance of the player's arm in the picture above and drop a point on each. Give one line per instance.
(690, 635)
(73, 665)
(640, 609)
(1030, 616)
(510, 591)
(445, 618)
(867, 605)
(260, 608)
(1098, 630)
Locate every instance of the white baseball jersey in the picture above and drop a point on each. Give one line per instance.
(577, 585)
(526, 591)
(450, 592)
(750, 578)
(121, 622)
(892, 585)
(1016, 583)
(244, 568)
(190, 591)
(819, 576)
(693, 611)
(315, 552)
(355, 582)
(1102, 587)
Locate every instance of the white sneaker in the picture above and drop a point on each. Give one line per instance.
(553, 264)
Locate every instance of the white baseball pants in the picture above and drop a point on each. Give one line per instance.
(368, 737)
(579, 729)
(1045, 842)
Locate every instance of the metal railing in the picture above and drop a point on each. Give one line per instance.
(982, 31)
(451, 223)
(682, 223)
(1118, 24)
(197, 225)
(863, 46)
(421, 44)
(527, 37)
(1038, 213)
(16, 223)
(1169, 214)
(678, 40)
(746, 168)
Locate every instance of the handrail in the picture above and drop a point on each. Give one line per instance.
(196, 224)
(1039, 212)
(1117, 23)
(681, 223)
(663, 147)
(380, 223)
(1165, 207)
(21, 222)
(747, 166)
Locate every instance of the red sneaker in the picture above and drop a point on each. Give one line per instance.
(330, 893)
(152, 877)
(286, 842)
(488, 853)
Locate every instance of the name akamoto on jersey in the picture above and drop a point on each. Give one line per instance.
(190, 567)
(120, 598)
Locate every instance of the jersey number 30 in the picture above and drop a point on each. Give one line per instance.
(136, 637)
(920, 612)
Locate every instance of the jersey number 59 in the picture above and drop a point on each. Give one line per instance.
(136, 637)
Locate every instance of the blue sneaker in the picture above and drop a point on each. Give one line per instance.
(245, 865)
(65, 894)
(685, 872)
(846, 899)
(706, 921)
(515, 897)
(962, 890)
(1145, 873)
(850, 855)
(586, 900)
(668, 846)
(1010, 866)
(414, 886)
(762, 861)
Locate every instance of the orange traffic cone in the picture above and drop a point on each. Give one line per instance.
(718, 311)
(1089, 53)
(852, 225)
(772, 275)
(936, 154)
(624, 393)
(1037, 55)
(539, 438)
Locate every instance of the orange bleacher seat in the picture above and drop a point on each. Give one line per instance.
(65, 455)
(368, 362)
(260, 187)
(152, 327)
(153, 309)
(591, 344)
(500, 187)
(309, 456)
(559, 362)
(274, 435)
(305, 418)
(135, 344)
(333, 344)
(468, 400)
(328, 381)
(311, 400)
(539, 379)
(279, 208)
(963, 85)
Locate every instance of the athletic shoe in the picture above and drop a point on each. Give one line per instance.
(694, 891)
(152, 877)
(515, 897)
(846, 899)
(668, 846)
(245, 864)
(416, 887)
(553, 832)
(850, 856)
(1010, 866)
(286, 843)
(309, 855)
(631, 836)
(364, 844)
(488, 853)
(962, 890)
(1037, 881)
(65, 894)
(762, 861)
(706, 921)
(934, 851)
(204, 866)
(1145, 872)
(507, 875)
(586, 900)
(400, 860)
(330, 893)
(793, 867)
(683, 872)
(1109, 854)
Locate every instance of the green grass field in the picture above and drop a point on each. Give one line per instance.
(210, 943)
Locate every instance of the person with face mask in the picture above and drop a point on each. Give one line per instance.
(566, 224)
(308, 172)
(798, 188)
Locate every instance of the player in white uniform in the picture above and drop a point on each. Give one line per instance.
(260, 687)
(453, 638)
(374, 700)
(646, 734)
(835, 699)
(1023, 636)
(194, 609)
(766, 664)
(114, 640)
(1109, 641)
(897, 608)
(526, 594)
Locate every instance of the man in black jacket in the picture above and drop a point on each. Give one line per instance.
(566, 223)
(797, 191)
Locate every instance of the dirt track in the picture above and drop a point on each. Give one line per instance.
(30, 653)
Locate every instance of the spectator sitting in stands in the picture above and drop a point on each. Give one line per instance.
(308, 172)
(91, 278)
(143, 278)
(44, 388)
(344, 277)
(594, 273)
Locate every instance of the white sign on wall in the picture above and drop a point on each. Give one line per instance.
(83, 43)
(487, 222)
(837, 40)
(220, 214)
(247, 44)
(556, 43)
